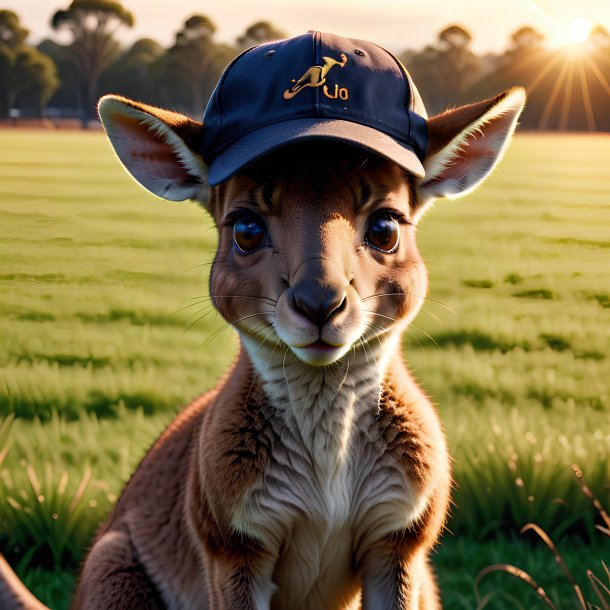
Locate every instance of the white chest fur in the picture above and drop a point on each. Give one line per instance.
(332, 489)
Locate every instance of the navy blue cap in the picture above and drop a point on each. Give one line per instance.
(313, 87)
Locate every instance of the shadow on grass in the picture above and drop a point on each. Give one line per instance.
(479, 341)
(101, 404)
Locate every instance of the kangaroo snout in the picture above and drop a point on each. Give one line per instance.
(319, 293)
(318, 302)
(319, 315)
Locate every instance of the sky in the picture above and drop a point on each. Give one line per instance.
(395, 24)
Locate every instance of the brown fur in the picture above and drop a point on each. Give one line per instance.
(447, 125)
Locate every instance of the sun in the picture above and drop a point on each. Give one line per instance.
(578, 30)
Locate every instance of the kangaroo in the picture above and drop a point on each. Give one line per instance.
(315, 474)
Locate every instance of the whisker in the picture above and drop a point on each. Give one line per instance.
(262, 342)
(214, 335)
(243, 296)
(207, 309)
(376, 335)
(417, 296)
(252, 315)
(367, 341)
(187, 306)
(382, 328)
(371, 325)
(207, 297)
(260, 329)
(372, 352)
(416, 339)
(435, 317)
(197, 266)
(207, 313)
(272, 352)
(255, 376)
(344, 376)
(284, 369)
(421, 330)
(201, 296)
(364, 349)
(380, 315)
(230, 323)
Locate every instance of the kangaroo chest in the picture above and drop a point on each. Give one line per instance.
(332, 490)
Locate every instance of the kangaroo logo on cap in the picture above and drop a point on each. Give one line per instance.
(316, 77)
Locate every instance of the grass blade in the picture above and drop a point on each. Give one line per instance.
(596, 503)
(518, 573)
(559, 559)
(601, 590)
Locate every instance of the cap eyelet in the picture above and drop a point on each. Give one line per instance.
(359, 52)
(269, 54)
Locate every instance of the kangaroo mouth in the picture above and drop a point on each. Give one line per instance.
(320, 353)
(320, 346)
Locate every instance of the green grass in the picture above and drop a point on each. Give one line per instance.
(457, 564)
(94, 279)
(104, 333)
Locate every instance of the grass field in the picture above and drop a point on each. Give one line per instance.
(103, 337)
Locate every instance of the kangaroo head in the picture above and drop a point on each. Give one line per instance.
(316, 241)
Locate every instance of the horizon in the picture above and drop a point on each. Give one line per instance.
(383, 23)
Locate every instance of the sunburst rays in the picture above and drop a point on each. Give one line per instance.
(571, 87)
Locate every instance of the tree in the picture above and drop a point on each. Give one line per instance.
(527, 37)
(445, 71)
(599, 37)
(196, 27)
(454, 37)
(28, 77)
(187, 73)
(458, 66)
(132, 73)
(257, 33)
(423, 67)
(523, 64)
(93, 24)
(11, 32)
(69, 96)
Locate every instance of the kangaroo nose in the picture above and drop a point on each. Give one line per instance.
(317, 302)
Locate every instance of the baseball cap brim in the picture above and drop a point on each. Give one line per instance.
(262, 141)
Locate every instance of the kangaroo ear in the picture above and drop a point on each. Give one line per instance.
(465, 144)
(159, 148)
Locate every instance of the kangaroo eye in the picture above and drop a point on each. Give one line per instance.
(248, 234)
(383, 233)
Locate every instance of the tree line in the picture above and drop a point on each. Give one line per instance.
(568, 88)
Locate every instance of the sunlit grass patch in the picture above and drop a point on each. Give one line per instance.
(585, 594)
(99, 391)
(538, 293)
(513, 466)
(477, 283)
(60, 479)
(603, 298)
